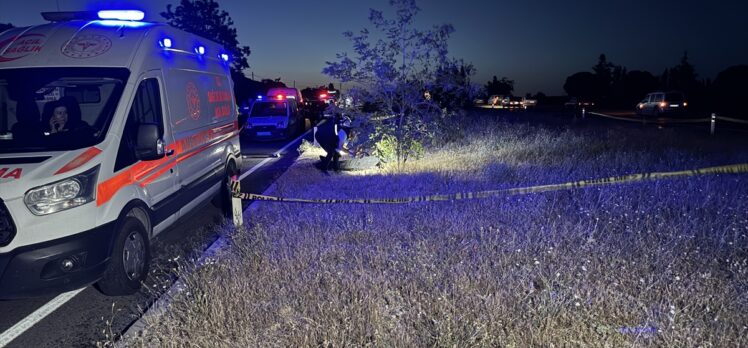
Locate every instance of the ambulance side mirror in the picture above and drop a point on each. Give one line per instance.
(149, 144)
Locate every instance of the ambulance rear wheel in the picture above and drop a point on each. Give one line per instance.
(130, 259)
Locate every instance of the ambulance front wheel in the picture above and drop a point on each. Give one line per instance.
(130, 259)
(225, 194)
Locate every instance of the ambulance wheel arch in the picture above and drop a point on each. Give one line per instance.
(223, 198)
(129, 252)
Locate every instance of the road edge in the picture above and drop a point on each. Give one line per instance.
(160, 305)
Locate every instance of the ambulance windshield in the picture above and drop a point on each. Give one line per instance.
(57, 109)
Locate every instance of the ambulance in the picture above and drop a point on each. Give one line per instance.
(111, 129)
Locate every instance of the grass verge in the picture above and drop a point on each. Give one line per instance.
(652, 264)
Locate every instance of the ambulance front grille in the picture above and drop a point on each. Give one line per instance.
(7, 227)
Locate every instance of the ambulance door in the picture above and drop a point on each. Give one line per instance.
(157, 177)
(200, 106)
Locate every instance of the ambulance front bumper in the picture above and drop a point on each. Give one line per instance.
(56, 266)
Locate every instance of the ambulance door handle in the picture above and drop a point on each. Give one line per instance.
(170, 153)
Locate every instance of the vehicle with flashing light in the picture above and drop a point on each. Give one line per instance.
(287, 92)
(313, 109)
(111, 130)
(275, 116)
(662, 103)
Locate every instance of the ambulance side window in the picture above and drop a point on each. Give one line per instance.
(145, 109)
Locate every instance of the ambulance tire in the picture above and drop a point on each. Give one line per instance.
(224, 194)
(130, 259)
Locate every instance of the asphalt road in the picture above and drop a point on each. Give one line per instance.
(90, 317)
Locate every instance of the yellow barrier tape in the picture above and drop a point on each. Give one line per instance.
(728, 169)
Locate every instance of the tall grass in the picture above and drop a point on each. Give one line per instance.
(652, 264)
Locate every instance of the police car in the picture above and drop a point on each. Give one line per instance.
(275, 116)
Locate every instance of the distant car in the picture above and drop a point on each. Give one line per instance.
(658, 103)
(313, 109)
(529, 103)
(578, 103)
(513, 103)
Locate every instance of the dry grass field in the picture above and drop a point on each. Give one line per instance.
(660, 264)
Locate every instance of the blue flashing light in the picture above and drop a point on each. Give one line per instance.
(259, 97)
(123, 15)
(119, 23)
(165, 42)
(200, 50)
(224, 57)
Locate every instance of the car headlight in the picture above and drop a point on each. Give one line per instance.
(64, 194)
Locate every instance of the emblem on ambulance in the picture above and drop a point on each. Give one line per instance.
(193, 101)
(87, 46)
(21, 46)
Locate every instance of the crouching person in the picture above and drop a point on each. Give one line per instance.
(332, 136)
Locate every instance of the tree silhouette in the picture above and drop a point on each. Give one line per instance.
(204, 18)
(391, 69)
(503, 86)
(582, 85)
(604, 73)
(636, 85)
(730, 92)
(683, 76)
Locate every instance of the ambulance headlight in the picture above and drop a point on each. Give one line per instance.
(64, 194)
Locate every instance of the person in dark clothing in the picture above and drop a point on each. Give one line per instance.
(28, 129)
(332, 137)
(62, 115)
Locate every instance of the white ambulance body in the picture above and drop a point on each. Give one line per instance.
(150, 133)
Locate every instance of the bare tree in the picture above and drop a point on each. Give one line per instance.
(391, 71)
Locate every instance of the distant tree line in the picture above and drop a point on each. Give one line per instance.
(503, 86)
(612, 85)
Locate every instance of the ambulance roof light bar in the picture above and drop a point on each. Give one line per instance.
(122, 15)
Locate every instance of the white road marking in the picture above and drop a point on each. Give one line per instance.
(275, 155)
(32, 319)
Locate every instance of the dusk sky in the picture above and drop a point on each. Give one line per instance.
(536, 43)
